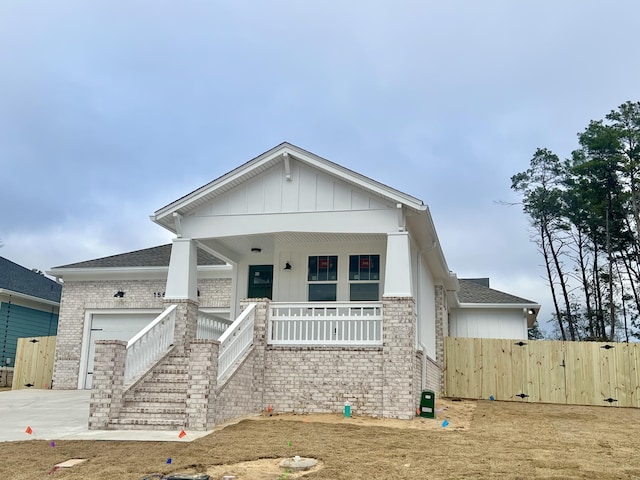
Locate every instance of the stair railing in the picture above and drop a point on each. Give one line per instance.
(150, 344)
(236, 340)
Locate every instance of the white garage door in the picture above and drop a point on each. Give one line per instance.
(113, 326)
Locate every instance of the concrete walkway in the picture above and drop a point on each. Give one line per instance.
(63, 415)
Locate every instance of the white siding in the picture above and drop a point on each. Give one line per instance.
(309, 190)
(488, 323)
(426, 307)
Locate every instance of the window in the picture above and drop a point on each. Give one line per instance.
(323, 278)
(364, 277)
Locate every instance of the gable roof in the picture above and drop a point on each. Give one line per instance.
(263, 162)
(148, 257)
(476, 290)
(18, 279)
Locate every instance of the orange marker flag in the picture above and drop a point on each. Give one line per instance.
(28, 430)
(182, 434)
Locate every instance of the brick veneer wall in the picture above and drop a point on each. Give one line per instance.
(203, 372)
(442, 330)
(78, 296)
(6, 376)
(321, 379)
(417, 385)
(238, 396)
(399, 340)
(108, 383)
(433, 376)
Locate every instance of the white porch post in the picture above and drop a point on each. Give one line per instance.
(182, 280)
(397, 282)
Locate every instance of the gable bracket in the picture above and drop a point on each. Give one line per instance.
(287, 167)
(177, 220)
(402, 226)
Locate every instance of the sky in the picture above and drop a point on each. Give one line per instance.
(110, 110)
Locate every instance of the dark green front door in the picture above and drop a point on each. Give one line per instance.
(260, 281)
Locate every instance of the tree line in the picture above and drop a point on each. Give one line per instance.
(585, 217)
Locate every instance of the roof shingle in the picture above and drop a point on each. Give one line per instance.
(476, 290)
(148, 257)
(16, 278)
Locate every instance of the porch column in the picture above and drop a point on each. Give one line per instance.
(401, 381)
(182, 280)
(397, 281)
(182, 290)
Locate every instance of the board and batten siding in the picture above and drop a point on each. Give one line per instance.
(309, 190)
(488, 323)
(16, 322)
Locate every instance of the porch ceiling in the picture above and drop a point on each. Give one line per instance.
(235, 247)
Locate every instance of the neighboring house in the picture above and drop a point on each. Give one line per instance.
(29, 305)
(336, 284)
(482, 312)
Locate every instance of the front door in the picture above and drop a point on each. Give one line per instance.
(260, 281)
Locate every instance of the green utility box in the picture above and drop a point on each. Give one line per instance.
(428, 404)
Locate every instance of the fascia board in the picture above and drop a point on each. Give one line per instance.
(218, 183)
(356, 178)
(31, 298)
(306, 157)
(499, 305)
(134, 273)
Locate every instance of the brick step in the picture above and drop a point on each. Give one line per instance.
(167, 377)
(147, 424)
(171, 403)
(178, 369)
(152, 398)
(152, 411)
(155, 388)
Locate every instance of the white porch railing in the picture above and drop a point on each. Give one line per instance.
(327, 323)
(236, 340)
(210, 326)
(150, 344)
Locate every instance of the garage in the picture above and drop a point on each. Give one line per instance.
(112, 326)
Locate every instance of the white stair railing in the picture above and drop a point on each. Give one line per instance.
(150, 344)
(236, 340)
(210, 326)
(327, 324)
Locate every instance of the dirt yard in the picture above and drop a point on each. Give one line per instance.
(482, 439)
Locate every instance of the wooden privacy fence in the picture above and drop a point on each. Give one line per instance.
(578, 373)
(34, 363)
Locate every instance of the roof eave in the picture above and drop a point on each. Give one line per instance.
(24, 296)
(164, 216)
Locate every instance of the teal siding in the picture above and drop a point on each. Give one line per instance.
(17, 322)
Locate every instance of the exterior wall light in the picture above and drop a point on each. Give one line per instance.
(256, 250)
(287, 266)
(119, 294)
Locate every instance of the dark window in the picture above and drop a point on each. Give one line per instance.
(322, 277)
(364, 277)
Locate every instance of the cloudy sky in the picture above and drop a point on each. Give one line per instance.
(110, 110)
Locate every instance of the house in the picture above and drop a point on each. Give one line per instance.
(29, 305)
(482, 312)
(292, 282)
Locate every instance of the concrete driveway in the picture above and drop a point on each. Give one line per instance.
(63, 415)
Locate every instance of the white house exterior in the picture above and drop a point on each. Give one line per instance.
(336, 284)
(482, 312)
